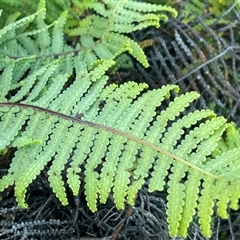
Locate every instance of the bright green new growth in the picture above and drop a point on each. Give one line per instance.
(108, 139)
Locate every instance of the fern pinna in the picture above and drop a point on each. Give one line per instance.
(112, 139)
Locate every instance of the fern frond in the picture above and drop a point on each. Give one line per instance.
(114, 19)
(91, 146)
(58, 115)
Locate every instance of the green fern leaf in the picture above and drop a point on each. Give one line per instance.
(103, 96)
(231, 140)
(92, 177)
(57, 40)
(20, 68)
(176, 195)
(191, 196)
(140, 174)
(63, 152)
(205, 206)
(76, 91)
(111, 21)
(223, 200)
(80, 155)
(110, 167)
(59, 115)
(189, 140)
(122, 181)
(89, 98)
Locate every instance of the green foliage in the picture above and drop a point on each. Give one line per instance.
(215, 8)
(57, 113)
(100, 33)
(116, 145)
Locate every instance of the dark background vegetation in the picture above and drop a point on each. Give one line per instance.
(199, 51)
